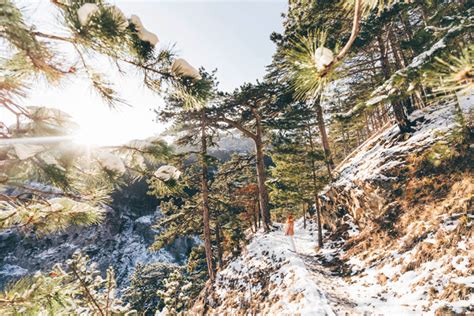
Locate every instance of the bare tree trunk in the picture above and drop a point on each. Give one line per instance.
(205, 199)
(219, 247)
(304, 216)
(320, 226)
(255, 216)
(344, 140)
(367, 127)
(383, 57)
(259, 214)
(400, 111)
(262, 188)
(315, 186)
(324, 138)
(396, 51)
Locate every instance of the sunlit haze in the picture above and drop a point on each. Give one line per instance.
(231, 36)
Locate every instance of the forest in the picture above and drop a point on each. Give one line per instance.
(361, 129)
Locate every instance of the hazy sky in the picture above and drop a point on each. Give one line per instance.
(232, 36)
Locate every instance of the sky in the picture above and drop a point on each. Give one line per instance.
(232, 36)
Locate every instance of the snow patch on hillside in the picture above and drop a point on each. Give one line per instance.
(387, 150)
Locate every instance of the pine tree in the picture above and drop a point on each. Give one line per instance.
(247, 110)
(298, 175)
(187, 105)
(175, 294)
(146, 281)
(103, 31)
(234, 196)
(74, 289)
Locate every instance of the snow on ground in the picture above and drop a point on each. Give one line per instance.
(299, 284)
(290, 288)
(386, 151)
(428, 267)
(393, 287)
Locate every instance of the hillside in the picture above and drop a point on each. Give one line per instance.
(121, 241)
(291, 157)
(399, 242)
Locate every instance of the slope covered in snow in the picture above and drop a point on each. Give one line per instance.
(398, 234)
(271, 278)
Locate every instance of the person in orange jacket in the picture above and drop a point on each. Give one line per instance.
(290, 230)
(290, 226)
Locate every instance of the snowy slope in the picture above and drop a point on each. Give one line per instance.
(271, 278)
(403, 245)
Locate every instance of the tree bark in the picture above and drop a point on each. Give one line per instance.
(205, 199)
(304, 216)
(219, 247)
(324, 138)
(260, 165)
(398, 107)
(255, 216)
(401, 117)
(315, 186)
(320, 225)
(383, 57)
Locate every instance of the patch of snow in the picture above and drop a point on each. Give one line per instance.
(167, 173)
(13, 270)
(292, 287)
(146, 220)
(182, 68)
(26, 151)
(86, 11)
(110, 161)
(142, 32)
(323, 57)
(386, 151)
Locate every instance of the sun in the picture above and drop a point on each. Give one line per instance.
(98, 137)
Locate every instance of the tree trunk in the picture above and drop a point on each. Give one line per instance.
(262, 189)
(255, 216)
(320, 226)
(260, 165)
(205, 199)
(304, 216)
(383, 57)
(315, 186)
(259, 214)
(401, 117)
(324, 138)
(218, 242)
(399, 109)
(344, 140)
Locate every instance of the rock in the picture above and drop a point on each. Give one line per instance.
(382, 279)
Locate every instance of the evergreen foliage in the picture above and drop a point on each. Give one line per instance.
(146, 281)
(76, 288)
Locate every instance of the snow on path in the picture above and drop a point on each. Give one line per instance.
(292, 288)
